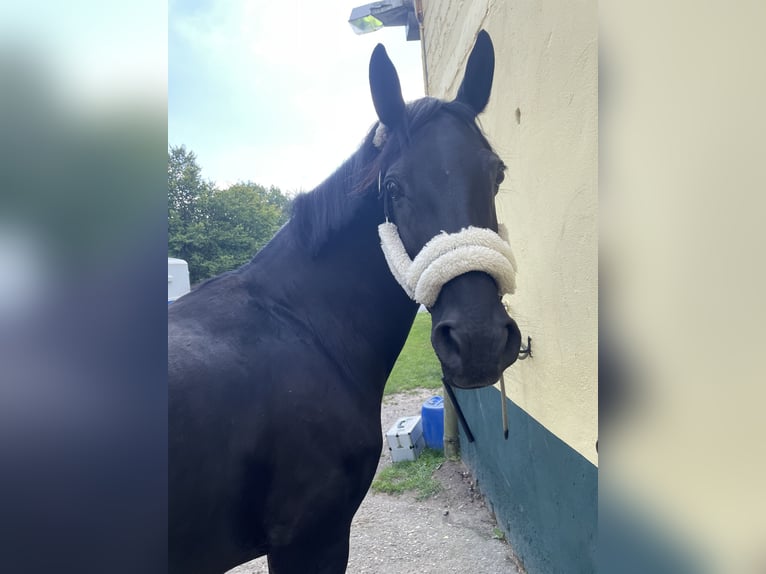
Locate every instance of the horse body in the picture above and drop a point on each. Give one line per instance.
(277, 373)
(277, 370)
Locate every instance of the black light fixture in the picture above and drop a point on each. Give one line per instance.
(375, 15)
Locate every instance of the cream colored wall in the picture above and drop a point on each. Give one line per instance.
(547, 68)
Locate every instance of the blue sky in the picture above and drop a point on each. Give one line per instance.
(274, 92)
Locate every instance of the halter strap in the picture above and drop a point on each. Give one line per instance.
(384, 196)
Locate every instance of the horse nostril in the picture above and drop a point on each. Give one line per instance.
(512, 342)
(446, 344)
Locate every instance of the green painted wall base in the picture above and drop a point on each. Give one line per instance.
(543, 492)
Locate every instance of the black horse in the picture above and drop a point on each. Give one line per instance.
(277, 369)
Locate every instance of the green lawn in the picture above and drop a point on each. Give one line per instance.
(417, 366)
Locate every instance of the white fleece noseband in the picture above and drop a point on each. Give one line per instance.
(447, 256)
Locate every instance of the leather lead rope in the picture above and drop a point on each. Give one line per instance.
(461, 416)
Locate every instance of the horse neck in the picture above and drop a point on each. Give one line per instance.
(345, 294)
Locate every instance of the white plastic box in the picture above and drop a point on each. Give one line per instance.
(405, 439)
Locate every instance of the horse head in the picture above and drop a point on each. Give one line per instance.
(437, 179)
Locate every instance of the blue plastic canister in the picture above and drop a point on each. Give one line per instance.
(432, 416)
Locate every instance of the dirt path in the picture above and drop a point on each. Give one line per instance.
(451, 533)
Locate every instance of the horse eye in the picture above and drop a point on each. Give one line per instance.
(392, 187)
(500, 178)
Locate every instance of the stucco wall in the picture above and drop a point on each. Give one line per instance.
(546, 68)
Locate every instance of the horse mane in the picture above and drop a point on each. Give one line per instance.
(333, 204)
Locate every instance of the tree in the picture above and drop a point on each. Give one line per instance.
(217, 230)
(188, 196)
(242, 219)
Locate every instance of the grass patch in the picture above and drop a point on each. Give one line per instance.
(417, 366)
(414, 475)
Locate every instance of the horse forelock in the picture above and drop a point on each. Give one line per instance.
(334, 203)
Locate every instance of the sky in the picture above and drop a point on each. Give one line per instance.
(274, 92)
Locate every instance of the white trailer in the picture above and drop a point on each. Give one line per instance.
(178, 279)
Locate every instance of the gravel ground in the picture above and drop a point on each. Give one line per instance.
(449, 533)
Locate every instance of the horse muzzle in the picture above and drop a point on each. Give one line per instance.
(473, 336)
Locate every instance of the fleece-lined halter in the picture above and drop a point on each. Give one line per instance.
(446, 256)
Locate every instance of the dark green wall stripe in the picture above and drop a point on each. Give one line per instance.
(543, 492)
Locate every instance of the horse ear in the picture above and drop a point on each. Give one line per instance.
(479, 71)
(385, 88)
